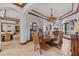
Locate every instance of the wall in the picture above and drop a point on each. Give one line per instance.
(68, 19)
(75, 16)
(30, 19)
(0, 36)
(25, 21)
(42, 23)
(8, 25)
(16, 12)
(9, 13)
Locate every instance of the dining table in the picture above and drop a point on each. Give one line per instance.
(46, 39)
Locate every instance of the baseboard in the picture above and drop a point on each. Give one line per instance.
(67, 38)
(25, 42)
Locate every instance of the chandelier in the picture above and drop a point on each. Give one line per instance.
(51, 18)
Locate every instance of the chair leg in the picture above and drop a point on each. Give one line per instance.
(34, 48)
(0, 50)
(40, 52)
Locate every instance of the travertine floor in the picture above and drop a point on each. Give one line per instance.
(13, 48)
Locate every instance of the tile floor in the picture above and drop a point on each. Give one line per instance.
(13, 48)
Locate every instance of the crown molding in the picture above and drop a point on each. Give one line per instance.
(10, 19)
(72, 13)
(36, 15)
(68, 11)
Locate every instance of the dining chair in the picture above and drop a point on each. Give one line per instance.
(38, 43)
(7, 36)
(57, 42)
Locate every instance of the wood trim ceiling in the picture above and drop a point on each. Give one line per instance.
(68, 11)
(36, 15)
(20, 5)
(8, 18)
(72, 13)
(60, 16)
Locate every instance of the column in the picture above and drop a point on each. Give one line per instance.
(24, 29)
(0, 37)
(60, 25)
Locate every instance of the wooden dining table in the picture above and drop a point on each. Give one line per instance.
(46, 39)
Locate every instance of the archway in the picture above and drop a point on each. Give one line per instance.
(34, 26)
(14, 10)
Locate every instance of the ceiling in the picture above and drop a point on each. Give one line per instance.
(58, 8)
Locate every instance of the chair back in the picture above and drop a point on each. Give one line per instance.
(56, 33)
(60, 35)
(58, 42)
(7, 36)
(35, 38)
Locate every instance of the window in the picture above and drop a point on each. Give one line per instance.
(68, 28)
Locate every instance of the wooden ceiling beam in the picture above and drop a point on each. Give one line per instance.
(10, 19)
(68, 12)
(36, 15)
(68, 15)
(72, 13)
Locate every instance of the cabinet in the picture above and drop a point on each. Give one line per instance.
(74, 45)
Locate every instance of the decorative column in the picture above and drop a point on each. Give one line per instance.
(0, 37)
(60, 25)
(24, 29)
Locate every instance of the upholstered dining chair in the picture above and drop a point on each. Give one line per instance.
(7, 36)
(38, 44)
(59, 39)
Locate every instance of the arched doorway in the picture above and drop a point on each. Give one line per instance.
(10, 26)
(34, 26)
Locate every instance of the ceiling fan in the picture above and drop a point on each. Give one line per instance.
(50, 18)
